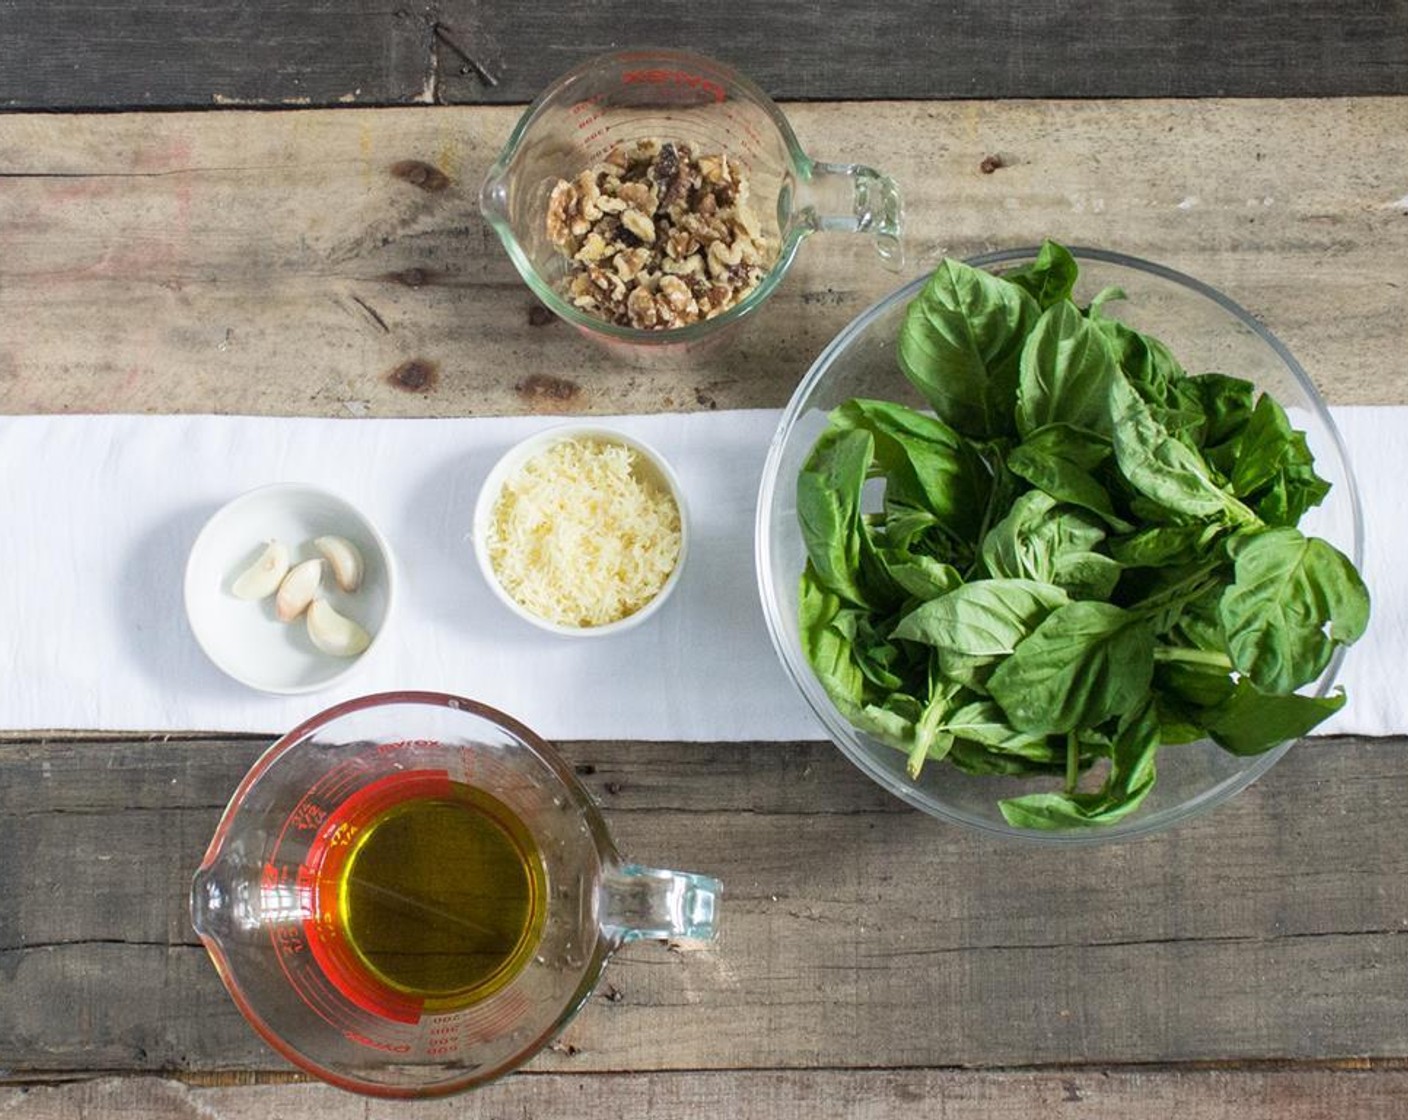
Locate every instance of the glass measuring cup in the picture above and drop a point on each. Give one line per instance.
(276, 898)
(675, 96)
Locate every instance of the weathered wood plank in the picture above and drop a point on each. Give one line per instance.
(272, 263)
(856, 933)
(73, 54)
(1158, 48)
(1089, 1094)
(83, 54)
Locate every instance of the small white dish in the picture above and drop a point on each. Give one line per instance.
(649, 461)
(243, 638)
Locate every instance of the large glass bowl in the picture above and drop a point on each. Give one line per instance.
(1206, 331)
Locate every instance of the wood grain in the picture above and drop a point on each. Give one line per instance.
(839, 1095)
(72, 54)
(273, 263)
(856, 933)
(182, 53)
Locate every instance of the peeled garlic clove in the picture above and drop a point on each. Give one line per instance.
(334, 634)
(262, 578)
(344, 559)
(298, 589)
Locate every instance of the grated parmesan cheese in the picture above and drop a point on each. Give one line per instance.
(579, 538)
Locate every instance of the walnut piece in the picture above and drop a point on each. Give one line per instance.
(658, 237)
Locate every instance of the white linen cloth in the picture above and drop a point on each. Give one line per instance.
(99, 513)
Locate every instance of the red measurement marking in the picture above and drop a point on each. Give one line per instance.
(290, 941)
(389, 1047)
(307, 816)
(275, 876)
(677, 78)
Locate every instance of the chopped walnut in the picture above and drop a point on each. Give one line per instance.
(639, 225)
(631, 262)
(658, 237)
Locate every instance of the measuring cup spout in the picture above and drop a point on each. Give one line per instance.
(493, 199)
(210, 901)
(852, 198)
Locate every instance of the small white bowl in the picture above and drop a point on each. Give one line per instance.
(243, 638)
(649, 459)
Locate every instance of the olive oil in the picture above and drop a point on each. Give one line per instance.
(440, 898)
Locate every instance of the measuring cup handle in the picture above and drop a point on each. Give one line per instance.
(853, 198)
(647, 902)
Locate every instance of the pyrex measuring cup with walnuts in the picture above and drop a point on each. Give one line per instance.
(673, 97)
(411, 893)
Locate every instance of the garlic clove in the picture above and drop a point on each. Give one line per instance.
(346, 562)
(298, 589)
(262, 578)
(334, 634)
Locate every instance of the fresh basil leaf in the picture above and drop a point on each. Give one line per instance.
(1176, 726)
(1050, 278)
(1025, 543)
(1294, 490)
(982, 618)
(1200, 684)
(960, 344)
(1065, 375)
(1148, 364)
(1163, 595)
(1161, 546)
(921, 576)
(1274, 471)
(828, 509)
(970, 670)
(1251, 722)
(1086, 575)
(1293, 600)
(1154, 373)
(827, 648)
(1078, 446)
(982, 722)
(1180, 412)
(1058, 460)
(1199, 624)
(1162, 468)
(974, 758)
(838, 538)
(1263, 448)
(924, 461)
(1227, 406)
(1083, 664)
(880, 662)
(1038, 540)
(1129, 781)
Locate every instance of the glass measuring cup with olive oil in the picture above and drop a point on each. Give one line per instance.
(412, 893)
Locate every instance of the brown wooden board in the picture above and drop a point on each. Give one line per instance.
(195, 53)
(856, 933)
(284, 263)
(1087, 1094)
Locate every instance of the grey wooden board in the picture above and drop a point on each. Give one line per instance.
(274, 263)
(836, 1095)
(85, 54)
(69, 54)
(856, 933)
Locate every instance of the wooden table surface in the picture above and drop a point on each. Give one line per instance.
(872, 962)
